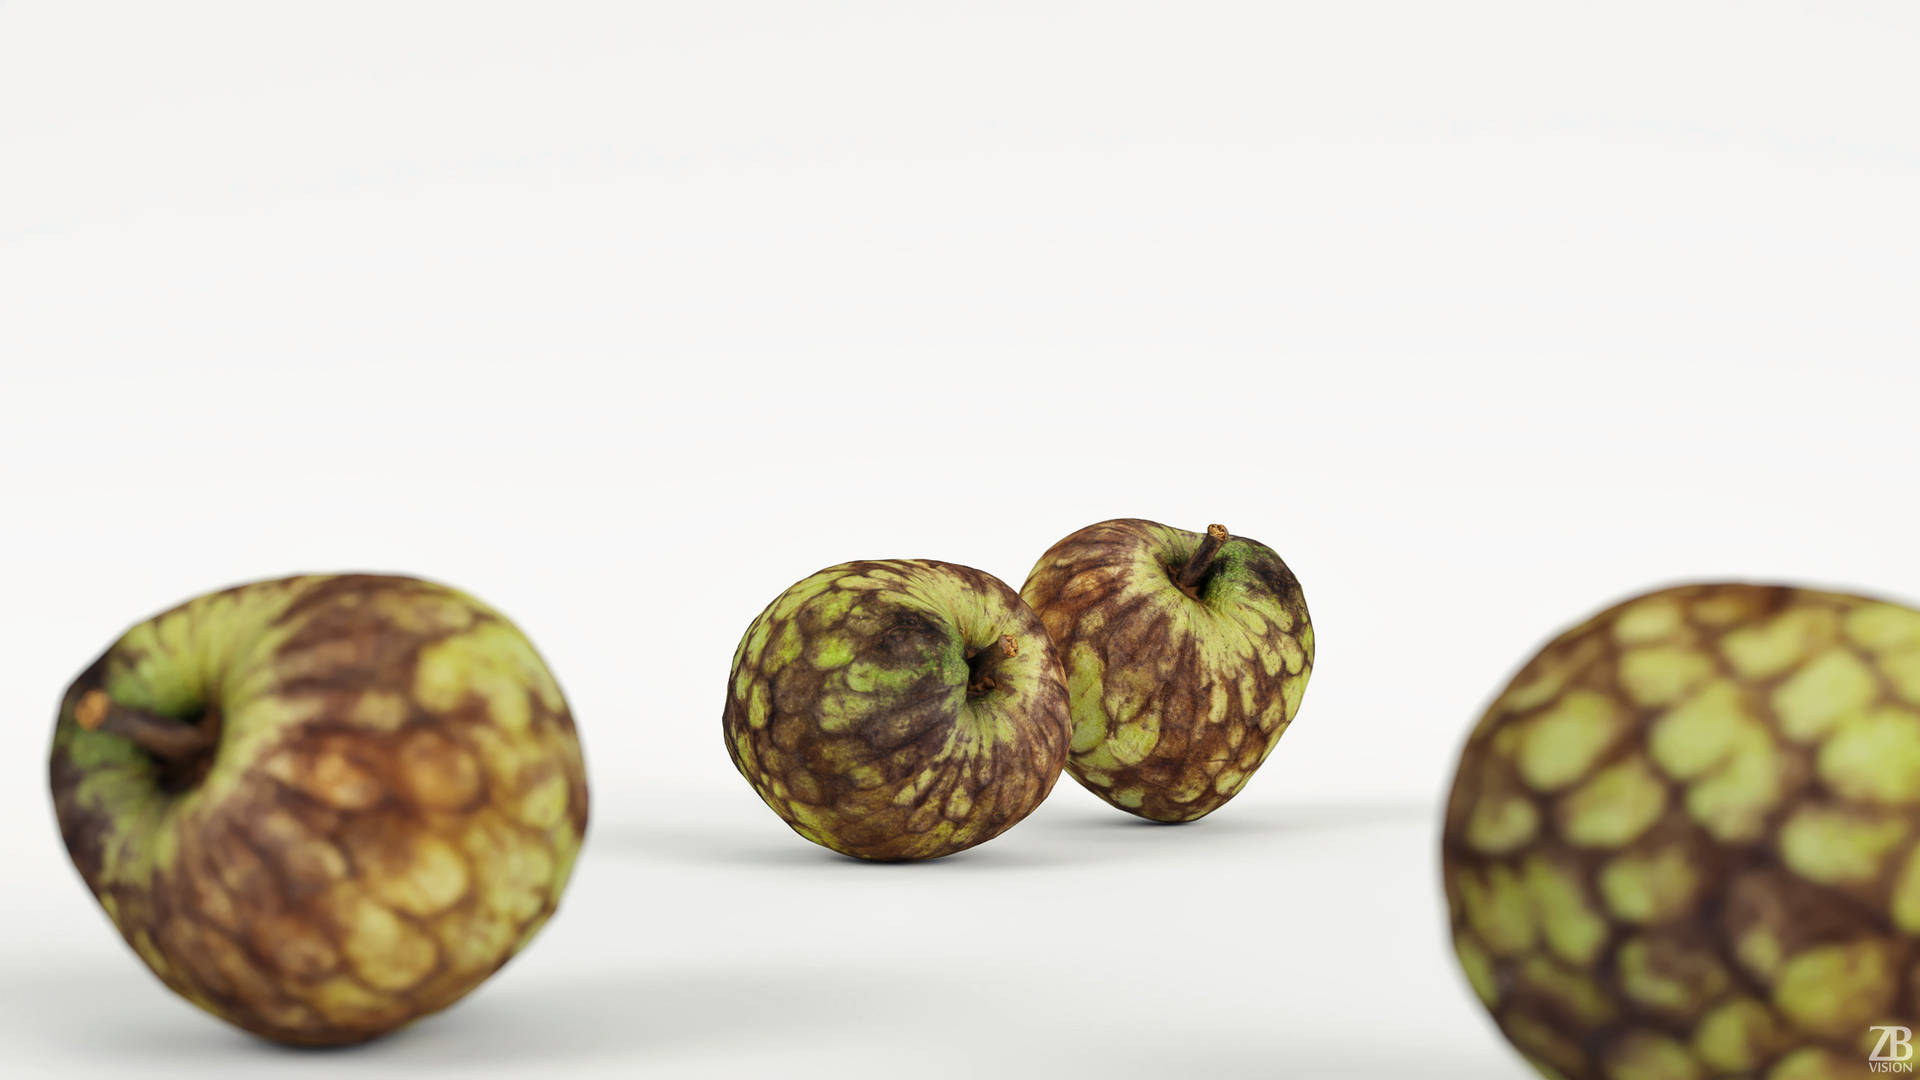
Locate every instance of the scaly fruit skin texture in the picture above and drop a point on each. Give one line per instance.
(1685, 840)
(874, 708)
(392, 809)
(1177, 696)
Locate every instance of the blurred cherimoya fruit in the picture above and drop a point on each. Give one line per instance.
(320, 807)
(1683, 841)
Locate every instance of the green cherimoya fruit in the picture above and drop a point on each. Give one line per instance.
(898, 709)
(1186, 657)
(1685, 840)
(321, 807)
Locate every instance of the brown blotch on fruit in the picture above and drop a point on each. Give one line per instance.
(436, 772)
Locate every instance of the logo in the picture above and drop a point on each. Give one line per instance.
(1893, 1053)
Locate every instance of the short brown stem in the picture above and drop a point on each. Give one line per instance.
(1195, 571)
(981, 663)
(164, 738)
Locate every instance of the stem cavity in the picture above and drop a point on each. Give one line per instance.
(981, 662)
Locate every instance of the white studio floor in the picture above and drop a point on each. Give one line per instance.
(1299, 942)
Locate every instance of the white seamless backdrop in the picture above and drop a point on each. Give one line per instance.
(624, 317)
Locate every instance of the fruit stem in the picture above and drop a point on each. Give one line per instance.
(980, 663)
(1191, 574)
(164, 738)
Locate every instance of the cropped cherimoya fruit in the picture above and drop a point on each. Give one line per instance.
(321, 807)
(1685, 840)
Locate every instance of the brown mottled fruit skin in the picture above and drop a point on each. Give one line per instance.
(855, 714)
(1685, 840)
(1177, 698)
(393, 808)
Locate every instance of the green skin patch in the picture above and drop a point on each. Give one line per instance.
(391, 811)
(872, 707)
(1685, 840)
(1177, 698)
